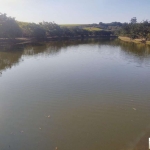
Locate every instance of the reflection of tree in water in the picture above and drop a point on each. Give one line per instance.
(10, 56)
(139, 53)
(135, 49)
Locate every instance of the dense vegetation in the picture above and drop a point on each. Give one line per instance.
(132, 30)
(10, 28)
(112, 26)
(137, 30)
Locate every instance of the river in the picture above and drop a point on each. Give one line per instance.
(75, 95)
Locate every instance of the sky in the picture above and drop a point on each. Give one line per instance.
(76, 11)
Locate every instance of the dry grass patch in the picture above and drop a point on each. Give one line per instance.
(127, 39)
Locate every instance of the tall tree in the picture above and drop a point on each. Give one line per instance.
(133, 20)
(9, 27)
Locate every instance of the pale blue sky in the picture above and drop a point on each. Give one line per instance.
(76, 11)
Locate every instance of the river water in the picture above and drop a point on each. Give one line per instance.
(83, 95)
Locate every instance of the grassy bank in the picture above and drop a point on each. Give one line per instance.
(92, 29)
(127, 39)
(72, 25)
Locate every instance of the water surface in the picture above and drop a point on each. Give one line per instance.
(83, 95)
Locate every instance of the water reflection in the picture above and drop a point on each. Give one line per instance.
(11, 55)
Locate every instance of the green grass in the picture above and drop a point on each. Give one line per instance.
(92, 29)
(22, 24)
(73, 25)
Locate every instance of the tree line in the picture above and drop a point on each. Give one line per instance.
(136, 30)
(133, 29)
(10, 28)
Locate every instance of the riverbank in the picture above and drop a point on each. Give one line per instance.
(127, 39)
(4, 41)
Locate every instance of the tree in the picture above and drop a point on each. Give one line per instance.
(133, 20)
(144, 30)
(137, 30)
(36, 30)
(51, 28)
(9, 28)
